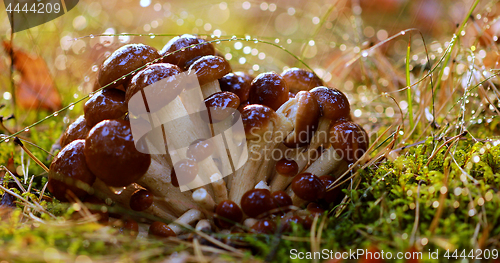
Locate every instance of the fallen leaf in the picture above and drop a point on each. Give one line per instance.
(35, 88)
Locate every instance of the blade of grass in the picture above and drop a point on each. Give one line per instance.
(408, 84)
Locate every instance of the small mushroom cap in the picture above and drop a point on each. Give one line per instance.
(220, 105)
(308, 187)
(123, 61)
(106, 104)
(130, 226)
(238, 83)
(160, 229)
(264, 226)
(257, 201)
(180, 58)
(282, 200)
(269, 89)
(141, 200)
(307, 116)
(288, 221)
(228, 213)
(200, 149)
(349, 139)
(111, 154)
(331, 195)
(210, 68)
(186, 171)
(157, 97)
(76, 130)
(256, 119)
(68, 171)
(287, 167)
(300, 79)
(333, 103)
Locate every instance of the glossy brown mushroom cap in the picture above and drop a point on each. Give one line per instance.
(269, 89)
(180, 58)
(288, 221)
(141, 200)
(200, 149)
(257, 201)
(238, 83)
(308, 187)
(331, 195)
(69, 172)
(287, 167)
(76, 130)
(185, 171)
(220, 105)
(300, 79)
(256, 119)
(210, 68)
(264, 226)
(349, 140)
(123, 61)
(111, 155)
(160, 229)
(150, 75)
(333, 103)
(106, 104)
(131, 227)
(228, 213)
(306, 120)
(282, 200)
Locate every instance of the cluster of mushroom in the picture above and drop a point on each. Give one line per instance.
(292, 115)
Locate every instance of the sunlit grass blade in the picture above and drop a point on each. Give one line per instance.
(408, 84)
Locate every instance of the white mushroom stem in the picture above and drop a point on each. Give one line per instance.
(188, 218)
(204, 200)
(262, 185)
(284, 128)
(220, 190)
(249, 222)
(210, 88)
(158, 181)
(329, 161)
(319, 138)
(160, 209)
(244, 178)
(296, 201)
(203, 225)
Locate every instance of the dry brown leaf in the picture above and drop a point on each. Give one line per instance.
(35, 89)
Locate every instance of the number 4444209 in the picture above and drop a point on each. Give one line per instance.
(472, 254)
(37, 8)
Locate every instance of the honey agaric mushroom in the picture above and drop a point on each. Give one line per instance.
(69, 174)
(286, 169)
(305, 188)
(334, 107)
(264, 226)
(304, 113)
(123, 61)
(143, 200)
(111, 154)
(164, 99)
(348, 143)
(106, 104)
(209, 69)
(199, 48)
(227, 214)
(256, 202)
(269, 89)
(282, 200)
(300, 79)
(76, 130)
(262, 126)
(160, 229)
(238, 83)
(204, 200)
(331, 195)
